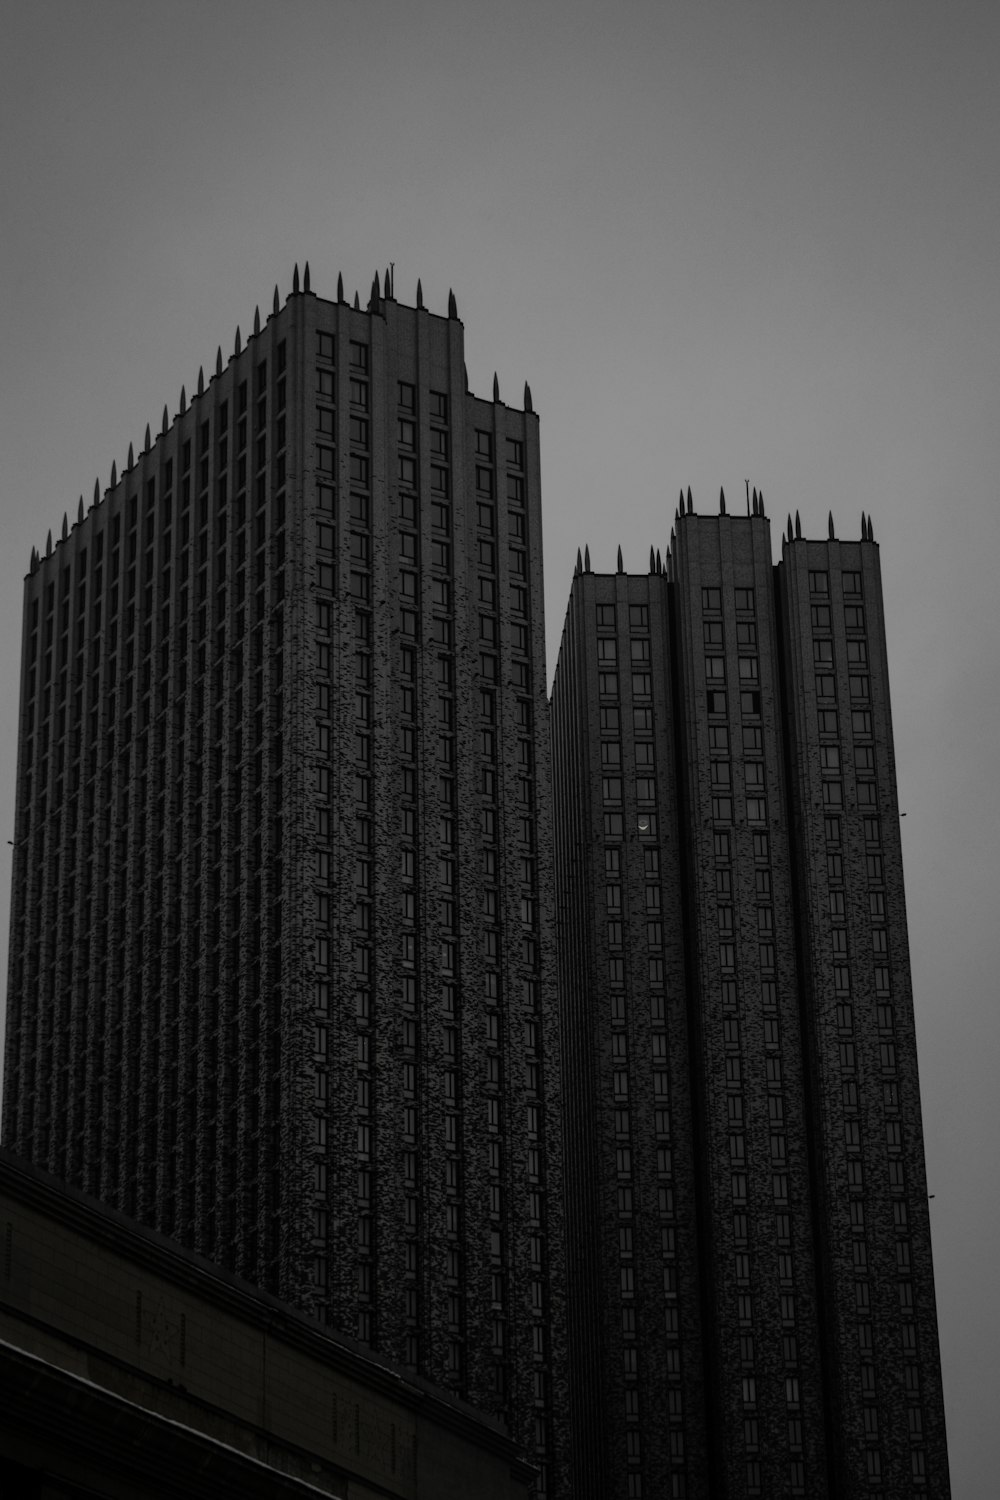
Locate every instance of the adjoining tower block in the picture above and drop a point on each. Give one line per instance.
(750, 1293)
(282, 962)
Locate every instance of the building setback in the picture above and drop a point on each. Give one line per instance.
(282, 966)
(750, 1291)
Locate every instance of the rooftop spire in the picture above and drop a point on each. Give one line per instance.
(148, 439)
(114, 473)
(496, 387)
(798, 526)
(420, 293)
(621, 567)
(586, 557)
(48, 545)
(527, 397)
(131, 458)
(452, 304)
(256, 320)
(295, 279)
(722, 501)
(183, 401)
(305, 278)
(239, 342)
(579, 563)
(97, 490)
(218, 361)
(690, 502)
(79, 511)
(829, 526)
(166, 420)
(201, 377)
(652, 560)
(357, 302)
(277, 304)
(340, 286)
(65, 530)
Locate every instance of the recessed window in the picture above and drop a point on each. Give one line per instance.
(605, 617)
(359, 356)
(744, 600)
(713, 632)
(406, 395)
(638, 616)
(711, 598)
(819, 583)
(439, 406)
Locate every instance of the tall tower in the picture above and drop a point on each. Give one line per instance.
(755, 1315)
(281, 974)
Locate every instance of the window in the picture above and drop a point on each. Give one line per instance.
(711, 598)
(819, 583)
(638, 616)
(744, 600)
(713, 632)
(605, 617)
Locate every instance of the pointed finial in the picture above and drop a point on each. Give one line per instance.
(673, 541)
(79, 511)
(148, 439)
(340, 286)
(357, 302)
(465, 376)
(652, 560)
(166, 420)
(277, 304)
(48, 545)
(722, 501)
(621, 567)
(420, 293)
(659, 561)
(452, 304)
(201, 378)
(97, 490)
(798, 526)
(690, 502)
(239, 342)
(183, 401)
(65, 530)
(864, 527)
(256, 320)
(295, 279)
(387, 283)
(871, 533)
(579, 562)
(496, 387)
(680, 505)
(586, 558)
(376, 290)
(829, 525)
(218, 359)
(527, 397)
(34, 560)
(114, 473)
(131, 458)
(305, 278)
(760, 502)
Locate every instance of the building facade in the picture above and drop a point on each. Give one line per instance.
(282, 977)
(134, 1368)
(752, 1311)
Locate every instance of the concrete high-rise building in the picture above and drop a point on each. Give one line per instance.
(291, 861)
(282, 977)
(751, 1298)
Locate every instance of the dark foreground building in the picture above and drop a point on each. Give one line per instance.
(751, 1292)
(134, 1370)
(282, 971)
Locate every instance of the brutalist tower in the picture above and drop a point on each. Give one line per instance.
(751, 1298)
(282, 961)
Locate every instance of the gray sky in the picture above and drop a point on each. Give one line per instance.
(721, 242)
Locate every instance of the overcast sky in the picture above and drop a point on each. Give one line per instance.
(722, 242)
